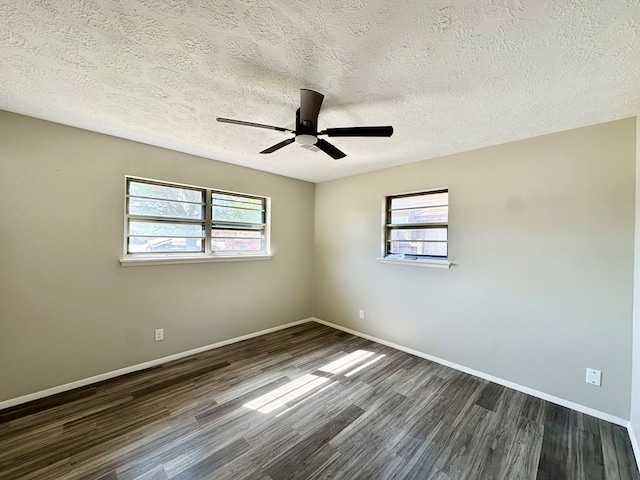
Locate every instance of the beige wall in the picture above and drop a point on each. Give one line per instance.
(541, 234)
(635, 392)
(68, 310)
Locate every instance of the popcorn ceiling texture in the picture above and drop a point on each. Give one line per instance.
(448, 75)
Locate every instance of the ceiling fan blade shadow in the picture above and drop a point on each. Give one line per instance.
(310, 103)
(278, 146)
(252, 124)
(330, 150)
(386, 131)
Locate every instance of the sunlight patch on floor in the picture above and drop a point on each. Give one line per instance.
(346, 362)
(299, 387)
(277, 398)
(362, 367)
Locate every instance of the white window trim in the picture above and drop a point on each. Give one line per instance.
(133, 260)
(435, 262)
(417, 262)
(128, 261)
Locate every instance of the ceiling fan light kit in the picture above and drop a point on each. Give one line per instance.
(305, 139)
(306, 132)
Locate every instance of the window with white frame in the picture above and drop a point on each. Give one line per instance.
(416, 225)
(170, 219)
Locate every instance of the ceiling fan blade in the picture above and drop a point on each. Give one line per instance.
(358, 132)
(329, 149)
(278, 146)
(310, 103)
(251, 124)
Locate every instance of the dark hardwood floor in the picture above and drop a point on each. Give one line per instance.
(306, 402)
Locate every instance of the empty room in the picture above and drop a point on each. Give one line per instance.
(273, 240)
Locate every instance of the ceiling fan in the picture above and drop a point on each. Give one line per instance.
(306, 132)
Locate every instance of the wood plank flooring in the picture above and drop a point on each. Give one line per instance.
(308, 402)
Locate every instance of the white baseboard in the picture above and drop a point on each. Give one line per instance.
(634, 444)
(486, 376)
(152, 363)
(141, 366)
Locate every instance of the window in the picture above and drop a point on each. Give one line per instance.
(166, 219)
(416, 225)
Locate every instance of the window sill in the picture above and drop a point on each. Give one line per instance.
(417, 262)
(132, 261)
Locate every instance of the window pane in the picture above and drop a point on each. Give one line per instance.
(416, 201)
(229, 196)
(165, 244)
(237, 202)
(161, 208)
(438, 249)
(237, 240)
(237, 233)
(419, 234)
(163, 192)
(165, 229)
(420, 215)
(228, 214)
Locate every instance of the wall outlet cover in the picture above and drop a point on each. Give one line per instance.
(159, 334)
(594, 377)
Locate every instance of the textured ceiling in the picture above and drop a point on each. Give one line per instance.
(448, 75)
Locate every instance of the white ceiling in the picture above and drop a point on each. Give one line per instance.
(448, 75)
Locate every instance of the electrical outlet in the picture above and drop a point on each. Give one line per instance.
(361, 313)
(159, 335)
(594, 377)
